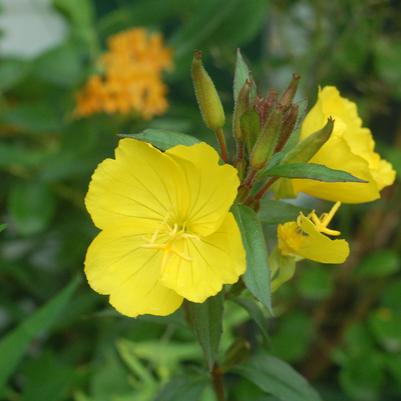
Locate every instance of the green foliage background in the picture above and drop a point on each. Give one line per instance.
(340, 326)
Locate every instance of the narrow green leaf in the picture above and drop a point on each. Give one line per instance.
(207, 322)
(255, 314)
(2, 227)
(15, 344)
(163, 139)
(256, 277)
(311, 171)
(277, 212)
(276, 377)
(184, 388)
(241, 74)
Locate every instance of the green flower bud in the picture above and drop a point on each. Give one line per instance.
(289, 94)
(206, 95)
(268, 139)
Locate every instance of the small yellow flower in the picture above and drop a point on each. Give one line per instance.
(167, 233)
(350, 148)
(308, 238)
(132, 77)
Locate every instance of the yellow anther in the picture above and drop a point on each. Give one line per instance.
(324, 220)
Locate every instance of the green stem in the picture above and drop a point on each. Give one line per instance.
(222, 142)
(218, 383)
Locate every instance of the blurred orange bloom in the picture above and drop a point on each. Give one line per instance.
(131, 81)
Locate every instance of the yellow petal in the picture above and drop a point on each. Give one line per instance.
(350, 148)
(140, 183)
(212, 187)
(117, 264)
(208, 263)
(319, 247)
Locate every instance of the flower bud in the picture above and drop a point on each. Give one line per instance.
(241, 107)
(289, 94)
(289, 122)
(250, 126)
(206, 95)
(268, 138)
(309, 146)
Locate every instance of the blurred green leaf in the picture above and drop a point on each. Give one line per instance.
(207, 18)
(185, 388)
(362, 377)
(388, 61)
(21, 156)
(277, 212)
(31, 205)
(379, 264)
(311, 171)
(293, 336)
(47, 378)
(256, 277)
(2, 227)
(315, 282)
(60, 66)
(12, 72)
(248, 17)
(15, 344)
(35, 118)
(163, 139)
(276, 377)
(207, 322)
(386, 326)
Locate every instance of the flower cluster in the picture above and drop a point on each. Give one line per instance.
(167, 233)
(350, 148)
(131, 79)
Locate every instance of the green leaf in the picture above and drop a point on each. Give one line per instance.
(250, 15)
(185, 388)
(276, 377)
(21, 156)
(386, 327)
(255, 314)
(207, 18)
(256, 277)
(315, 283)
(60, 66)
(15, 344)
(12, 72)
(163, 139)
(2, 227)
(379, 264)
(277, 212)
(207, 322)
(47, 378)
(35, 118)
(31, 205)
(311, 171)
(242, 73)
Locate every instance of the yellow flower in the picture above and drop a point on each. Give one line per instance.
(350, 148)
(167, 233)
(132, 77)
(308, 238)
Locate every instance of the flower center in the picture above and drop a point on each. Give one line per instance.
(168, 238)
(324, 220)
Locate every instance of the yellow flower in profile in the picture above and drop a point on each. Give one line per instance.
(308, 238)
(350, 148)
(166, 230)
(131, 82)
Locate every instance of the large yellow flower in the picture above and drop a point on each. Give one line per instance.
(167, 233)
(350, 148)
(308, 238)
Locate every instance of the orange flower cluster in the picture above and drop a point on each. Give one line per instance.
(132, 77)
